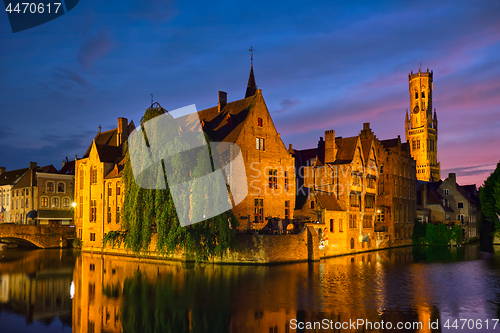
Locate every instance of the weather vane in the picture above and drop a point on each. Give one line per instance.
(251, 54)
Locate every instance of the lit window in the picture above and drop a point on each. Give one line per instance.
(259, 210)
(44, 202)
(259, 143)
(55, 202)
(65, 202)
(50, 186)
(93, 210)
(273, 178)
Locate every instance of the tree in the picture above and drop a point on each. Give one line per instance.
(148, 212)
(489, 194)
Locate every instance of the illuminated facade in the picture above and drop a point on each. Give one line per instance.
(421, 127)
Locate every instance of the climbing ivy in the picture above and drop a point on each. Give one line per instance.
(148, 212)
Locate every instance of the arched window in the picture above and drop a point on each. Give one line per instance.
(60, 187)
(352, 243)
(50, 186)
(44, 202)
(55, 202)
(65, 203)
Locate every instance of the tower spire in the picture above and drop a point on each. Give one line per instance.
(251, 86)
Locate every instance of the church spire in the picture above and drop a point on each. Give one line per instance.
(251, 86)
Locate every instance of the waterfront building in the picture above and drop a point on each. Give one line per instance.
(421, 127)
(269, 165)
(7, 180)
(44, 195)
(361, 189)
(339, 192)
(98, 182)
(447, 202)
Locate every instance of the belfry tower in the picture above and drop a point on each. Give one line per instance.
(421, 127)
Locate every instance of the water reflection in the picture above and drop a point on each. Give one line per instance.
(120, 294)
(35, 285)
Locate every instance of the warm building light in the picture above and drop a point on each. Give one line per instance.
(73, 204)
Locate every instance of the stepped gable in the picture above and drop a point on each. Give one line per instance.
(346, 149)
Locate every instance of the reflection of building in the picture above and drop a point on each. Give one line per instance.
(449, 203)
(98, 184)
(421, 127)
(4, 288)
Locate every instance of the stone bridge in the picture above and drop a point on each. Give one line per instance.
(44, 237)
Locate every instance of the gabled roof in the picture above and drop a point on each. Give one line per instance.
(302, 156)
(389, 143)
(346, 149)
(12, 177)
(366, 145)
(327, 200)
(25, 180)
(68, 168)
(109, 138)
(225, 126)
(109, 154)
(117, 171)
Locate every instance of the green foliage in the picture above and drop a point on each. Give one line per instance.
(418, 236)
(489, 194)
(430, 234)
(155, 306)
(148, 212)
(77, 243)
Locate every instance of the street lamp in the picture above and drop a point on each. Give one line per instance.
(73, 204)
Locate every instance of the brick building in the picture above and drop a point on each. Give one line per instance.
(44, 195)
(269, 165)
(447, 202)
(339, 191)
(98, 185)
(7, 180)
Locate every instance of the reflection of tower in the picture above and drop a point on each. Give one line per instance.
(421, 126)
(4, 288)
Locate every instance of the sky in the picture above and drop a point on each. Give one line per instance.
(325, 65)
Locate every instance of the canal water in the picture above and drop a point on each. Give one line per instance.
(401, 290)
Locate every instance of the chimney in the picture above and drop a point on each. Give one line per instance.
(452, 177)
(222, 100)
(122, 130)
(330, 153)
(2, 170)
(33, 165)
